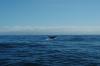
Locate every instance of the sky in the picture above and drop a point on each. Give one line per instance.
(49, 17)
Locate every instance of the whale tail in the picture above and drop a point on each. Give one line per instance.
(52, 37)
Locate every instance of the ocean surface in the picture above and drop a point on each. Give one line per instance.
(37, 50)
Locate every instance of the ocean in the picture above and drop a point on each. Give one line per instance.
(36, 50)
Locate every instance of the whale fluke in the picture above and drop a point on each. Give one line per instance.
(52, 37)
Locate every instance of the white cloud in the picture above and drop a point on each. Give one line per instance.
(50, 30)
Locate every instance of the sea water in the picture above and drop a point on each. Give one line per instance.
(36, 50)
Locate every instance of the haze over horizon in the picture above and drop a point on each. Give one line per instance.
(49, 17)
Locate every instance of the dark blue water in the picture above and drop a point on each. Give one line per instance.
(38, 51)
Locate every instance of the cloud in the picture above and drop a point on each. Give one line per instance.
(50, 30)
